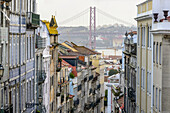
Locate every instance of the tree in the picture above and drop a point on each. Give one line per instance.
(113, 72)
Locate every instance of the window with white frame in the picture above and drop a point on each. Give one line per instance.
(160, 54)
(154, 52)
(148, 82)
(156, 98)
(160, 100)
(144, 36)
(138, 76)
(138, 35)
(153, 96)
(148, 30)
(157, 53)
(150, 37)
(143, 78)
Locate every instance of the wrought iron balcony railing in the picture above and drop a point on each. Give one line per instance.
(41, 76)
(98, 86)
(90, 77)
(76, 102)
(40, 42)
(79, 87)
(131, 94)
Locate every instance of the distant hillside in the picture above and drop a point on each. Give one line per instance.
(105, 34)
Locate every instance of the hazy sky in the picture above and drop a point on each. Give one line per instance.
(64, 9)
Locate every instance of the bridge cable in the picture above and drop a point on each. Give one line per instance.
(112, 17)
(75, 17)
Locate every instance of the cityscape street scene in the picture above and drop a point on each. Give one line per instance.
(85, 56)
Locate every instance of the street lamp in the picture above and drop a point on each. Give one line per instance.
(40, 99)
(40, 103)
(1, 70)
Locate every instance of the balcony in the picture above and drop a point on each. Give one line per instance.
(40, 42)
(98, 101)
(95, 78)
(76, 102)
(90, 77)
(131, 94)
(85, 79)
(90, 91)
(98, 86)
(79, 87)
(62, 98)
(7, 109)
(81, 62)
(33, 20)
(41, 76)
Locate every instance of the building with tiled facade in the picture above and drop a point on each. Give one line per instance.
(19, 50)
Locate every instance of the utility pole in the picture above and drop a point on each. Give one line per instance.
(92, 29)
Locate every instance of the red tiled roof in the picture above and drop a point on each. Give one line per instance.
(68, 56)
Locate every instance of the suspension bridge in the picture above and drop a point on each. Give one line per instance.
(91, 32)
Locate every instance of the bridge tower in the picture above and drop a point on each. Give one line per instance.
(92, 28)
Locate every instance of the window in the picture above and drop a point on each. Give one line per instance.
(143, 78)
(138, 35)
(148, 81)
(153, 95)
(157, 53)
(160, 54)
(156, 98)
(2, 51)
(27, 91)
(160, 100)
(154, 52)
(27, 48)
(148, 36)
(2, 19)
(150, 84)
(2, 97)
(144, 36)
(138, 76)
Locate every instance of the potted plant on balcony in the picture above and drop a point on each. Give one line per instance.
(72, 76)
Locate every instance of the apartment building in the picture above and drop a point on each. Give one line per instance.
(130, 66)
(144, 57)
(4, 59)
(18, 54)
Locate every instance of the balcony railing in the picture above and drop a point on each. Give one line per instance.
(76, 102)
(41, 76)
(81, 62)
(62, 98)
(40, 42)
(90, 77)
(131, 94)
(79, 87)
(33, 20)
(7, 109)
(90, 91)
(98, 86)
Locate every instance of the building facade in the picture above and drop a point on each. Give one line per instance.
(130, 66)
(144, 57)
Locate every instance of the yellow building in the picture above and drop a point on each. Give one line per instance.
(144, 57)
